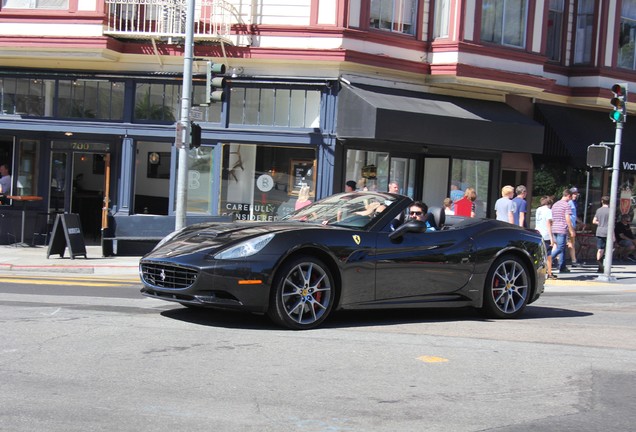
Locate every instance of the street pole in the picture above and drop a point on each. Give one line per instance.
(609, 245)
(182, 142)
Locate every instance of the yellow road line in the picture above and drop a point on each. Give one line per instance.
(62, 282)
(6, 276)
(432, 359)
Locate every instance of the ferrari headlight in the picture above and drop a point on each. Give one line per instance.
(246, 248)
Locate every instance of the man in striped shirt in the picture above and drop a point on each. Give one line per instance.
(561, 226)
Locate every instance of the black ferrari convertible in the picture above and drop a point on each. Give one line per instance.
(348, 251)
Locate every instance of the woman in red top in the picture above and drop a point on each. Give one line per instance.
(466, 205)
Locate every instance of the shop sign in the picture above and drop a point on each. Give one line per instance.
(252, 212)
(265, 183)
(629, 166)
(81, 146)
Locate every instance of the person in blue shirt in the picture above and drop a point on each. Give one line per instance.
(571, 244)
(455, 193)
(521, 206)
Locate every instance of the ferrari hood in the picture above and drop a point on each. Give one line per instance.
(210, 237)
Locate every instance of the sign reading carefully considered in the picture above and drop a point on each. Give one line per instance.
(67, 233)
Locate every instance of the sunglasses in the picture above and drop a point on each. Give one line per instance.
(416, 213)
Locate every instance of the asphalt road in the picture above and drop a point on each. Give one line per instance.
(80, 354)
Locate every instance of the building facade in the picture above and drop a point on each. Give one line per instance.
(436, 95)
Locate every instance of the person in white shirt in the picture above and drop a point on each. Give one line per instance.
(543, 224)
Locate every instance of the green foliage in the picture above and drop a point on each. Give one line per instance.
(544, 183)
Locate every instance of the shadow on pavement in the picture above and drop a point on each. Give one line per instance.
(347, 319)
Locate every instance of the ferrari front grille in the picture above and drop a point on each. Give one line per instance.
(165, 275)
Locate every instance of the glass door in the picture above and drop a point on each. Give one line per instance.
(59, 196)
(78, 184)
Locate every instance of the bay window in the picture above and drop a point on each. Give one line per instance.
(504, 22)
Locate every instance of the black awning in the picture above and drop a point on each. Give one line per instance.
(570, 131)
(379, 114)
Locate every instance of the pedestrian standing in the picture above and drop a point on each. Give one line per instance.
(543, 224)
(505, 206)
(455, 192)
(571, 242)
(561, 226)
(521, 206)
(601, 220)
(466, 205)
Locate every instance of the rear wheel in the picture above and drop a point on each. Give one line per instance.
(507, 288)
(303, 294)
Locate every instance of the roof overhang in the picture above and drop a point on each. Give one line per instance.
(376, 113)
(578, 129)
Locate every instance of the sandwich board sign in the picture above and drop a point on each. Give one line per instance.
(67, 233)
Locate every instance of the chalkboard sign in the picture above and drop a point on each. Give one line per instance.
(67, 232)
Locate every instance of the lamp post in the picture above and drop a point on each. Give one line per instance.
(182, 142)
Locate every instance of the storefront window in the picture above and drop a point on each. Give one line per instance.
(200, 163)
(156, 101)
(475, 174)
(275, 106)
(27, 172)
(6, 175)
(374, 170)
(153, 166)
(199, 111)
(27, 97)
(504, 22)
(91, 99)
(266, 183)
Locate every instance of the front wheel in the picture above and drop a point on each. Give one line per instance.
(507, 288)
(303, 294)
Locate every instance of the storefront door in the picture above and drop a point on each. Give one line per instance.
(78, 183)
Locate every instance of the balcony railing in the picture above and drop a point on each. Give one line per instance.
(166, 20)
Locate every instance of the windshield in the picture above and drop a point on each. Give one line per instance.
(355, 209)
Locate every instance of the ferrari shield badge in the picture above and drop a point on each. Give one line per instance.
(356, 238)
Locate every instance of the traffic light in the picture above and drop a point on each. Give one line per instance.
(215, 83)
(195, 135)
(619, 102)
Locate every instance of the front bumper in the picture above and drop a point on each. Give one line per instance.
(220, 284)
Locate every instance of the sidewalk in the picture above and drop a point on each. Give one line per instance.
(33, 259)
(623, 276)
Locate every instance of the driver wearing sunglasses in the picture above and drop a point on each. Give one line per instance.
(418, 211)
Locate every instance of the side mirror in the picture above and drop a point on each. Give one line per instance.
(410, 226)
